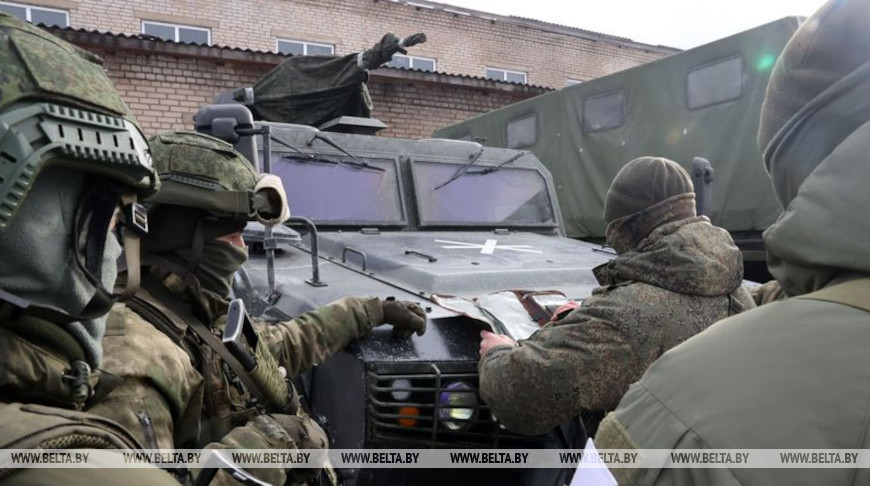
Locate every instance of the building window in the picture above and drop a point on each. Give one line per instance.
(714, 83)
(522, 132)
(506, 75)
(603, 112)
(37, 15)
(302, 48)
(572, 82)
(412, 62)
(177, 32)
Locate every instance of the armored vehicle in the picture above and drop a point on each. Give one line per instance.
(472, 233)
(703, 102)
(439, 222)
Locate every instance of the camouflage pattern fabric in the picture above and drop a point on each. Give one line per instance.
(673, 284)
(162, 396)
(33, 380)
(199, 171)
(45, 362)
(38, 65)
(161, 386)
(202, 157)
(790, 374)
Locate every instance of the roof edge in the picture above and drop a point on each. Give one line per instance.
(150, 45)
(536, 24)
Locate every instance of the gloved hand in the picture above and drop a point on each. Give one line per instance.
(413, 40)
(406, 317)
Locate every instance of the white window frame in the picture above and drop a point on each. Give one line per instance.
(29, 8)
(505, 73)
(411, 60)
(305, 45)
(176, 27)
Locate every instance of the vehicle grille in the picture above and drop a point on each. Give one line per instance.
(390, 420)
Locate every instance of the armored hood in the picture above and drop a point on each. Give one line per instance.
(815, 139)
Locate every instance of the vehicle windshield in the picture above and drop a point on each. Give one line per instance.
(505, 197)
(330, 192)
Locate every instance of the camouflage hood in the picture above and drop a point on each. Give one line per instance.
(686, 254)
(817, 108)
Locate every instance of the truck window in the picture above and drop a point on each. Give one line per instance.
(327, 191)
(522, 132)
(603, 112)
(714, 83)
(505, 197)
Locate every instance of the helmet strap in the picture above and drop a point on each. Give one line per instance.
(132, 245)
(196, 247)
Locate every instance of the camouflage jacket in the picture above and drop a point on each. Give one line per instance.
(47, 401)
(791, 374)
(162, 397)
(683, 277)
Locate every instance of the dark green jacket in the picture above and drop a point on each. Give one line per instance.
(791, 374)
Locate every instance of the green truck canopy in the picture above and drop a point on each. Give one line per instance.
(703, 102)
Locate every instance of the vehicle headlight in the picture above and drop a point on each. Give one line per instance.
(457, 406)
(400, 392)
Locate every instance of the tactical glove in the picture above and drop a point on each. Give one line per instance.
(406, 318)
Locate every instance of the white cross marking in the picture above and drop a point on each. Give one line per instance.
(488, 248)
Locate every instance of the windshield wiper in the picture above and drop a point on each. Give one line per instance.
(281, 142)
(308, 158)
(354, 161)
(303, 157)
(461, 170)
(490, 170)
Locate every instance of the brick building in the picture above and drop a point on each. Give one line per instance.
(168, 57)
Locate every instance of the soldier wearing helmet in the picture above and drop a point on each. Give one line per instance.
(194, 396)
(72, 163)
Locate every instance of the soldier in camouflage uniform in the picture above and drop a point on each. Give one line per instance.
(675, 274)
(179, 390)
(71, 156)
(791, 374)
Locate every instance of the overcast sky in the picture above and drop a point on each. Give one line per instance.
(675, 23)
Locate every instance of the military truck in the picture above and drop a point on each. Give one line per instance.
(472, 233)
(701, 102)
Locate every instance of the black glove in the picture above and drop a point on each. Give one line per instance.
(406, 318)
(413, 40)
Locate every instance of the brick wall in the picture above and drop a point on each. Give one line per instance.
(164, 91)
(415, 110)
(461, 44)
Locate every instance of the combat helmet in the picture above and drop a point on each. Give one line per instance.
(58, 108)
(208, 189)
